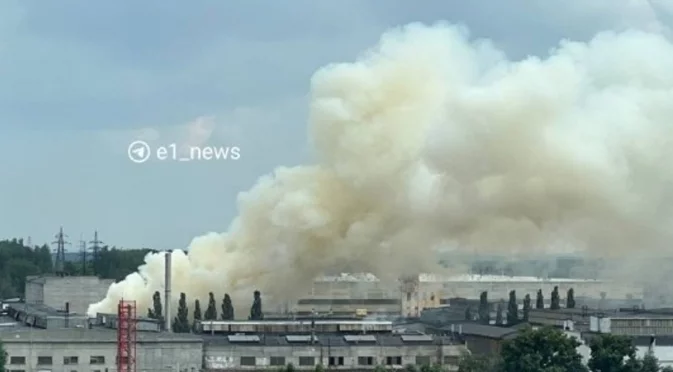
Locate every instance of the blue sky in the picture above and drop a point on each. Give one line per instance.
(80, 80)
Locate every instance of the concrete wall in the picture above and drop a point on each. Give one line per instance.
(151, 356)
(79, 291)
(230, 357)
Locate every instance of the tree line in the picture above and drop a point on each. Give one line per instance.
(484, 310)
(181, 322)
(551, 350)
(17, 261)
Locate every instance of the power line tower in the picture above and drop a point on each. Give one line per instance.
(82, 253)
(95, 250)
(59, 261)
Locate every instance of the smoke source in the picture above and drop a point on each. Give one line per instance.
(433, 140)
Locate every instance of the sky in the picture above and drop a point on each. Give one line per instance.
(80, 80)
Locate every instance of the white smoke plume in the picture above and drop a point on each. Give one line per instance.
(432, 139)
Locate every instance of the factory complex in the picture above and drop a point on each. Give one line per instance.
(346, 322)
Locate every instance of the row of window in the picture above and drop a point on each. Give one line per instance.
(339, 361)
(47, 360)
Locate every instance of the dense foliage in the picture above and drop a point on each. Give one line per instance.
(18, 261)
(3, 357)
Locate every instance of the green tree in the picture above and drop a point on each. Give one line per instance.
(181, 321)
(570, 299)
(526, 307)
(542, 350)
(211, 311)
(289, 368)
(555, 299)
(484, 310)
(512, 309)
(319, 368)
(498, 315)
(227, 308)
(478, 363)
(256, 312)
(667, 369)
(157, 309)
(379, 368)
(650, 363)
(3, 357)
(613, 353)
(539, 301)
(197, 316)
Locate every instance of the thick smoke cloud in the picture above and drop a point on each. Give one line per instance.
(432, 139)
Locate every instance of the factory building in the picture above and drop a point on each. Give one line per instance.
(80, 291)
(234, 346)
(350, 294)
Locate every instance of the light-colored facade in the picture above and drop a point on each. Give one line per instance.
(84, 350)
(633, 324)
(346, 293)
(55, 291)
(344, 347)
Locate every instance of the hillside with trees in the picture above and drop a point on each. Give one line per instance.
(18, 261)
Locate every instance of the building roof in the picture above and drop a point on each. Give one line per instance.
(482, 330)
(83, 335)
(499, 278)
(333, 340)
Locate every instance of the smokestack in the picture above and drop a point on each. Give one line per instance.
(167, 294)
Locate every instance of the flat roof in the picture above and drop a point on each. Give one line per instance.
(101, 335)
(84, 335)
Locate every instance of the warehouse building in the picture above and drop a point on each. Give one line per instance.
(80, 291)
(233, 346)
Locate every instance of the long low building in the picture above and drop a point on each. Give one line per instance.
(95, 350)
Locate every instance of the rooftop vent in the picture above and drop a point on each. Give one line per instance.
(243, 338)
(360, 338)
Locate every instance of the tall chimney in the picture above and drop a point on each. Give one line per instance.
(167, 294)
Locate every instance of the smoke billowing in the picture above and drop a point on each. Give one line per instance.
(433, 140)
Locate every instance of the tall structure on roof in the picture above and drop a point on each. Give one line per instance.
(95, 250)
(126, 336)
(59, 260)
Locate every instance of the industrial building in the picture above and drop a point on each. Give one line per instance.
(350, 294)
(55, 291)
(233, 346)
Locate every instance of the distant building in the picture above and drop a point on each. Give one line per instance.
(55, 291)
(483, 339)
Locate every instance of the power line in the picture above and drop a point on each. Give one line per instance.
(59, 262)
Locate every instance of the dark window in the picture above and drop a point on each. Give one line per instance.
(408, 296)
(365, 361)
(16, 370)
(306, 361)
(70, 360)
(394, 361)
(452, 360)
(97, 359)
(336, 361)
(277, 361)
(17, 360)
(248, 361)
(44, 361)
(422, 360)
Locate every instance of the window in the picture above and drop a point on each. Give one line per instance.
(97, 359)
(248, 361)
(16, 370)
(44, 361)
(70, 360)
(408, 296)
(306, 361)
(422, 360)
(336, 361)
(365, 361)
(452, 360)
(394, 361)
(277, 361)
(17, 360)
